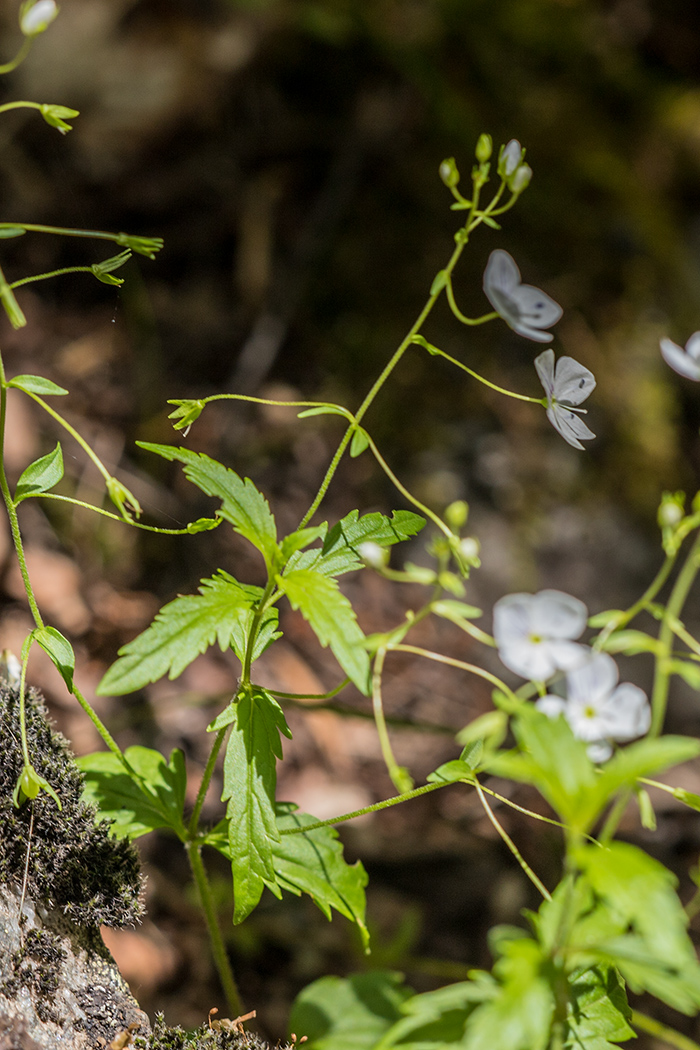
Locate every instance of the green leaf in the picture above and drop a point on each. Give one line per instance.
(689, 672)
(11, 231)
(324, 410)
(182, 630)
(450, 609)
(642, 759)
(338, 1013)
(242, 504)
(36, 385)
(250, 779)
(332, 619)
(360, 441)
(451, 772)
(296, 541)
(439, 282)
(338, 554)
(436, 1020)
(59, 649)
(519, 1015)
(152, 797)
(631, 642)
(41, 475)
(491, 726)
(598, 1009)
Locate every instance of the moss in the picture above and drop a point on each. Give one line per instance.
(36, 965)
(74, 866)
(203, 1038)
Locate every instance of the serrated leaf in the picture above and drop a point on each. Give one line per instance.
(519, 1015)
(153, 798)
(332, 619)
(242, 504)
(337, 1013)
(59, 649)
(36, 385)
(436, 1020)
(182, 630)
(300, 539)
(598, 1009)
(338, 554)
(312, 862)
(41, 475)
(250, 778)
(631, 642)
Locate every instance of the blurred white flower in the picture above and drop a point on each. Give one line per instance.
(533, 633)
(598, 709)
(566, 386)
(34, 18)
(685, 362)
(510, 158)
(524, 308)
(374, 556)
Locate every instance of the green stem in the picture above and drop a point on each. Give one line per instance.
(399, 777)
(218, 948)
(374, 808)
(108, 513)
(206, 780)
(63, 231)
(452, 662)
(650, 593)
(19, 57)
(462, 317)
(404, 491)
(73, 433)
(662, 1031)
(436, 352)
(534, 879)
(53, 273)
(18, 105)
(674, 608)
(100, 726)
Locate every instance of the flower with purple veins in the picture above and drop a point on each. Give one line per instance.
(566, 386)
(524, 308)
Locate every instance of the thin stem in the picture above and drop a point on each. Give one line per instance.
(218, 948)
(462, 317)
(452, 662)
(614, 817)
(662, 1031)
(396, 800)
(53, 273)
(73, 433)
(19, 57)
(340, 409)
(63, 231)
(100, 727)
(436, 352)
(641, 603)
(534, 879)
(302, 698)
(108, 513)
(404, 491)
(399, 777)
(206, 781)
(674, 607)
(18, 105)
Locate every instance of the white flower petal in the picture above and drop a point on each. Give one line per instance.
(545, 370)
(501, 273)
(626, 713)
(511, 618)
(572, 381)
(530, 660)
(528, 332)
(536, 307)
(569, 425)
(593, 681)
(692, 347)
(600, 751)
(679, 360)
(557, 615)
(552, 706)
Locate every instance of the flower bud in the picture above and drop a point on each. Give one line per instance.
(521, 178)
(484, 148)
(55, 116)
(509, 158)
(456, 514)
(374, 556)
(449, 173)
(34, 18)
(671, 509)
(469, 549)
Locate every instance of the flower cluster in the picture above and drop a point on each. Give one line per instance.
(535, 635)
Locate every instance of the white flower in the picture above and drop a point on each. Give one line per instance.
(524, 308)
(685, 362)
(510, 157)
(566, 386)
(35, 18)
(598, 709)
(533, 633)
(374, 556)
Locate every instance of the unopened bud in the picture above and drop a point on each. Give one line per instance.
(449, 173)
(456, 514)
(509, 159)
(484, 148)
(469, 548)
(671, 509)
(521, 179)
(34, 18)
(374, 556)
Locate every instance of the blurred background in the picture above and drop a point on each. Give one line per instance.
(287, 151)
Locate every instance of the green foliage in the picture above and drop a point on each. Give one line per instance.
(36, 384)
(250, 780)
(332, 618)
(339, 551)
(59, 649)
(351, 1013)
(138, 795)
(182, 630)
(242, 504)
(41, 475)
